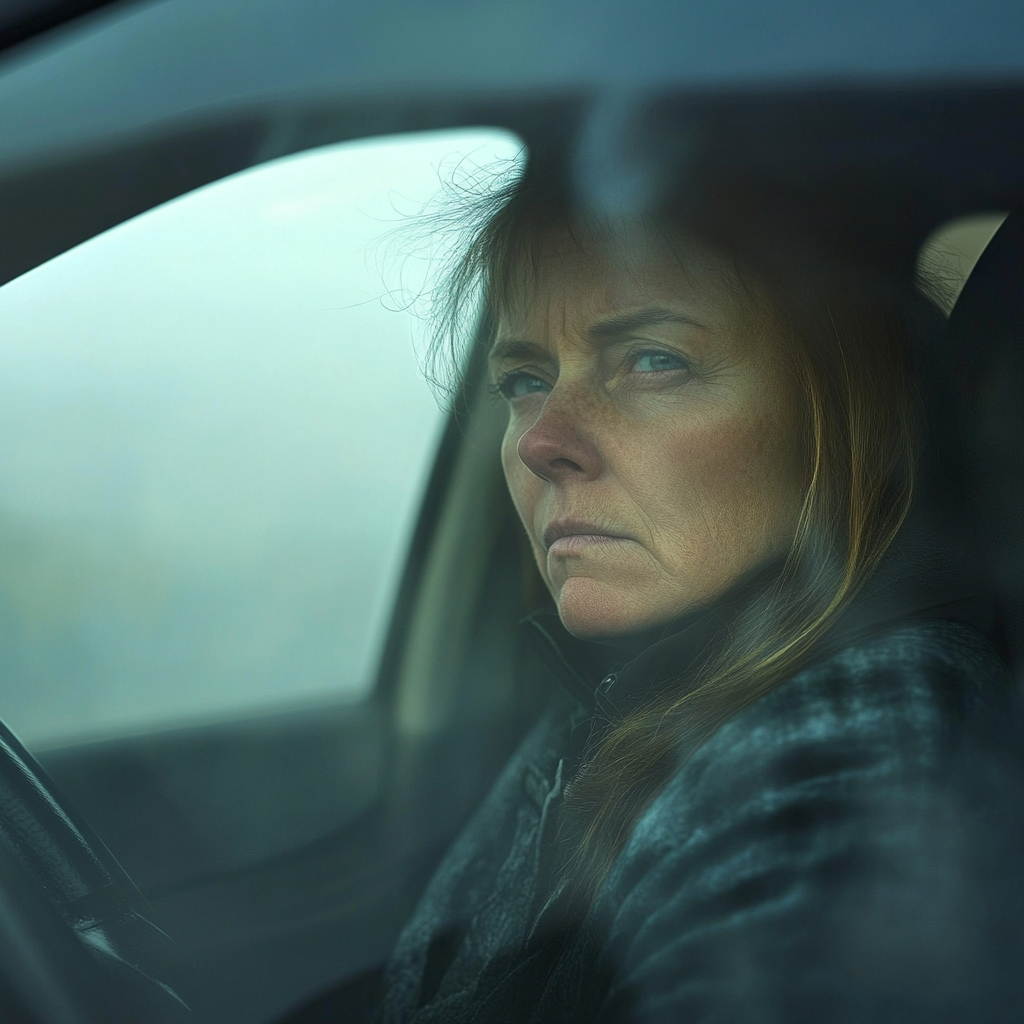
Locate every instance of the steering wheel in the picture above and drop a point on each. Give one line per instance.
(76, 945)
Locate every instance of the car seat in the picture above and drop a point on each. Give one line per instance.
(985, 346)
(985, 341)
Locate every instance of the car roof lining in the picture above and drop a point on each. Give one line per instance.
(24, 20)
(885, 167)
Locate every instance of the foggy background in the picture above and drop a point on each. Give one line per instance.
(214, 437)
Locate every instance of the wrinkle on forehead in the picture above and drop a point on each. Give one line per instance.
(578, 275)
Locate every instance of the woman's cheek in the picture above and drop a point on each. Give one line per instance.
(509, 460)
(719, 483)
(523, 487)
(741, 473)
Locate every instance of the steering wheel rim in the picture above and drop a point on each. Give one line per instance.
(43, 839)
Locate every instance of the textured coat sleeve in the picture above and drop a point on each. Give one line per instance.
(808, 863)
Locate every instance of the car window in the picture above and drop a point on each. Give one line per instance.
(950, 252)
(214, 437)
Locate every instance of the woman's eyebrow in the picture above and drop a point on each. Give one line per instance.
(606, 329)
(513, 349)
(623, 323)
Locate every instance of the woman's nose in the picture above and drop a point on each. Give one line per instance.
(557, 446)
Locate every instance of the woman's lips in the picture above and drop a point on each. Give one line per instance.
(575, 543)
(563, 538)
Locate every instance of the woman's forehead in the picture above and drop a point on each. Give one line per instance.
(577, 279)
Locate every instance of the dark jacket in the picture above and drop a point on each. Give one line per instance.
(808, 863)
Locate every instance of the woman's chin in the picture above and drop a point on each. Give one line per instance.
(589, 608)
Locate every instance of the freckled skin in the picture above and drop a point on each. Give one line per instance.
(682, 440)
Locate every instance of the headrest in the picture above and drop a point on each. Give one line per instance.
(986, 345)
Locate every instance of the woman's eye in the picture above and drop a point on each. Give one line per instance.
(519, 383)
(658, 362)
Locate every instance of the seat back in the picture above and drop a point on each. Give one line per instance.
(986, 345)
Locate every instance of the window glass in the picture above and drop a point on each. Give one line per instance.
(214, 437)
(949, 254)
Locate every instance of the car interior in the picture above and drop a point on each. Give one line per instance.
(233, 865)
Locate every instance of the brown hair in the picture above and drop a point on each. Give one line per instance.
(848, 349)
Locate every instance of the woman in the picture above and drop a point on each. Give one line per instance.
(735, 808)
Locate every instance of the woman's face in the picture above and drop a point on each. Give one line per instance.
(654, 448)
